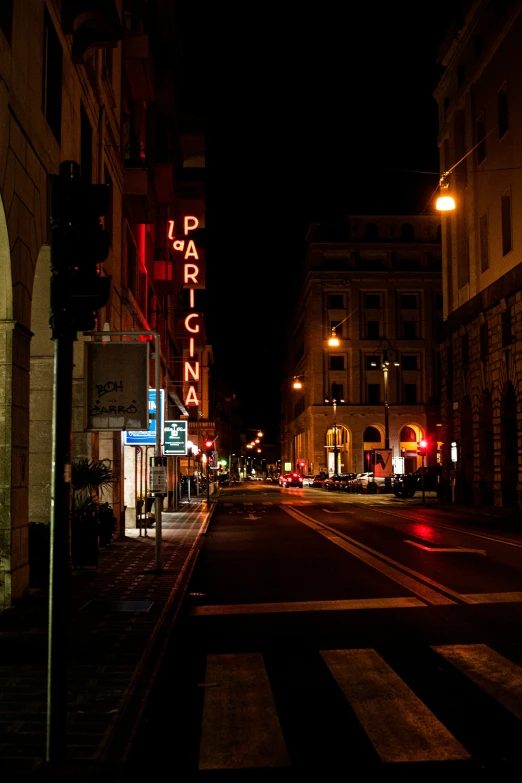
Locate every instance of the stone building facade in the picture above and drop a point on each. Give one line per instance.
(94, 83)
(377, 281)
(480, 123)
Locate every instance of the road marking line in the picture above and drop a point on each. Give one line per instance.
(496, 598)
(444, 548)
(435, 598)
(496, 675)
(328, 511)
(251, 516)
(407, 602)
(399, 725)
(446, 527)
(240, 727)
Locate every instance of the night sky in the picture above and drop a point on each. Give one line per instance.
(309, 117)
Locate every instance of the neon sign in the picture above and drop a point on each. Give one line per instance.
(191, 272)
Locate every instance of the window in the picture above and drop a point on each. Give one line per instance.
(484, 242)
(409, 362)
(480, 130)
(464, 348)
(506, 222)
(502, 111)
(484, 342)
(6, 18)
(410, 393)
(507, 336)
(371, 231)
(335, 301)
(373, 360)
(336, 362)
(299, 407)
(372, 330)
(374, 394)
(408, 301)
(409, 330)
(337, 392)
(407, 232)
(372, 302)
(52, 77)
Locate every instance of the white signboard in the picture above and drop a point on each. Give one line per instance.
(116, 386)
(158, 479)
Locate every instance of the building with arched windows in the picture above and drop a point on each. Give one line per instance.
(480, 125)
(377, 285)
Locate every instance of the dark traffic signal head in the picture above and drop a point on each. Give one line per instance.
(422, 447)
(79, 244)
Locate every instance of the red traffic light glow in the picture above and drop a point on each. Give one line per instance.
(209, 444)
(423, 444)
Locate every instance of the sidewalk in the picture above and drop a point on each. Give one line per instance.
(120, 619)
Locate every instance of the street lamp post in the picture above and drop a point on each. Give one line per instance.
(387, 352)
(336, 448)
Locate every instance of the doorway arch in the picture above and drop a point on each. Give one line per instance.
(339, 437)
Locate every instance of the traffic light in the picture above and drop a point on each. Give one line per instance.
(209, 446)
(422, 448)
(79, 244)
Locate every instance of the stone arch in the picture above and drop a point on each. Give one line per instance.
(467, 451)
(409, 436)
(509, 447)
(343, 438)
(6, 283)
(486, 447)
(373, 438)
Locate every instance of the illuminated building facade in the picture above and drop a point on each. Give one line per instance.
(375, 276)
(99, 87)
(480, 124)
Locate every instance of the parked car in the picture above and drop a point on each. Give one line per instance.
(337, 482)
(307, 481)
(291, 480)
(319, 480)
(407, 485)
(368, 482)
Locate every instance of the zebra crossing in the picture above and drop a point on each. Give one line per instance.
(475, 698)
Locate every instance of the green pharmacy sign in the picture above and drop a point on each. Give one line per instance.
(175, 443)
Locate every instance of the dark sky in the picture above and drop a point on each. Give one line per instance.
(310, 116)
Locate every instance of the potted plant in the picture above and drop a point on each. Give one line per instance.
(92, 522)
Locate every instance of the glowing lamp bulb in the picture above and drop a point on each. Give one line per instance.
(445, 203)
(298, 385)
(334, 340)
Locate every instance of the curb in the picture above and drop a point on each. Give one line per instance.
(115, 747)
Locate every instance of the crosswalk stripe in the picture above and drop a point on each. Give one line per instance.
(307, 606)
(498, 676)
(240, 728)
(400, 727)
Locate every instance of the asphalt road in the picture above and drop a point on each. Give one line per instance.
(335, 635)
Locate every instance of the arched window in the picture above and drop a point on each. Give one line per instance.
(371, 231)
(407, 232)
(371, 435)
(408, 435)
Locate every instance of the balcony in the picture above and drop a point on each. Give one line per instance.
(93, 24)
(138, 65)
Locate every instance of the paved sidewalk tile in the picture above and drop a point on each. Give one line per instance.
(114, 618)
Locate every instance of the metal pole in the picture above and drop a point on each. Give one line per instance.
(422, 482)
(59, 548)
(386, 419)
(157, 451)
(336, 471)
(208, 483)
(188, 476)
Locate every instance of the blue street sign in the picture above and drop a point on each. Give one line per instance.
(148, 437)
